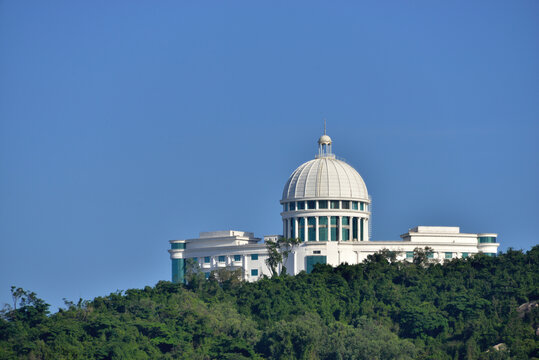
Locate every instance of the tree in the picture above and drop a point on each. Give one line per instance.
(421, 256)
(278, 252)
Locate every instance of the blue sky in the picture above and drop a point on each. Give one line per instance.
(126, 124)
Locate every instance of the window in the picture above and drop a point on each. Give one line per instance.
(354, 205)
(323, 228)
(310, 261)
(292, 206)
(237, 257)
(311, 204)
(334, 204)
(333, 227)
(206, 259)
(487, 239)
(316, 252)
(177, 246)
(301, 205)
(448, 255)
(221, 259)
(409, 254)
(285, 207)
(292, 228)
(322, 204)
(301, 229)
(207, 275)
(361, 206)
(254, 256)
(490, 254)
(354, 228)
(430, 255)
(361, 221)
(345, 204)
(465, 255)
(345, 228)
(254, 272)
(195, 259)
(311, 228)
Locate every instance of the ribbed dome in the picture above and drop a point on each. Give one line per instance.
(325, 178)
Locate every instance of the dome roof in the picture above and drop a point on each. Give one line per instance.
(324, 139)
(325, 178)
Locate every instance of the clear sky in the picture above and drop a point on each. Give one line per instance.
(124, 124)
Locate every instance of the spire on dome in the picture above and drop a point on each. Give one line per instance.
(324, 145)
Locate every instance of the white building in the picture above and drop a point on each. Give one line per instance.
(326, 205)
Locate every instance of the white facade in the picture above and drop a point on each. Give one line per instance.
(326, 205)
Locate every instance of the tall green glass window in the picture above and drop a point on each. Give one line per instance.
(334, 227)
(178, 271)
(448, 255)
(237, 257)
(311, 204)
(292, 206)
(354, 228)
(311, 228)
(361, 206)
(301, 205)
(345, 204)
(323, 228)
(207, 259)
(345, 228)
(322, 204)
(285, 207)
(310, 261)
(293, 228)
(334, 204)
(354, 205)
(361, 221)
(301, 229)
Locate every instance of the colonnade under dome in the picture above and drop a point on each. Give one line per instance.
(326, 220)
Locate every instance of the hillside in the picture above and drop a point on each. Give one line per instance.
(375, 310)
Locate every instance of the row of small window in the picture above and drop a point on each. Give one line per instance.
(254, 272)
(222, 258)
(324, 204)
(448, 255)
(487, 239)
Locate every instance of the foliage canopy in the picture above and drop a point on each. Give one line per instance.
(380, 309)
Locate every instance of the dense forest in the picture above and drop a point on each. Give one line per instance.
(475, 308)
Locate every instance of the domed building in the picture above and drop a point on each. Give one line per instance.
(326, 206)
(325, 199)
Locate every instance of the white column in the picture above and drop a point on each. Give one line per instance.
(305, 230)
(329, 228)
(366, 229)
